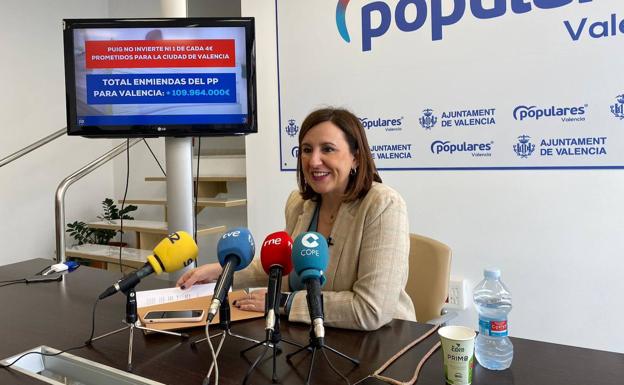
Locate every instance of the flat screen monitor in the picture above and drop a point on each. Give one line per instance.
(160, 77)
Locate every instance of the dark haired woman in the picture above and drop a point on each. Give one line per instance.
(341, 196)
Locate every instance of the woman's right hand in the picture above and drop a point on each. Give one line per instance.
(203, 274)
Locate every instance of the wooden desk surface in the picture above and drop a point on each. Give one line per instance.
(58, 314)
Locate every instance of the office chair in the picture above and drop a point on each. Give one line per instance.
(429, 274)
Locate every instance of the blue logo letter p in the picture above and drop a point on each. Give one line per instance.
(368, 33)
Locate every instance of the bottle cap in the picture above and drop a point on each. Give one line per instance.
(492, 273)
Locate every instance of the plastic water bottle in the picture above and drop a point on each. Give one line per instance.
(492, 299)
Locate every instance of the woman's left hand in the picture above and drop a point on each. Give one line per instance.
(254, 301)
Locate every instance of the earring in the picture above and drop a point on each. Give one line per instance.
(353, 171)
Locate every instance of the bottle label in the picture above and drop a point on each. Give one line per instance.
(493, 327)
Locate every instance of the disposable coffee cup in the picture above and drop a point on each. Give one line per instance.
(458, 350)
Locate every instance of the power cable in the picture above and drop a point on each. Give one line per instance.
(155, 158)
(88, 342)
(123, 203)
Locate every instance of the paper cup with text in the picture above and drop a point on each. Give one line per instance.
(458, 350)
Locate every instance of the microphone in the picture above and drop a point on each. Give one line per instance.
(275, 256)
(235, 251)
(310, 256)
(173, 253)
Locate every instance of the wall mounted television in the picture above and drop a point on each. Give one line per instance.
(160, 77)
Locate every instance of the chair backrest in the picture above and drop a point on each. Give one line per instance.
(429, 274)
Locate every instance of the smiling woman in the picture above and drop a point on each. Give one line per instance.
(339, 131)
(327, 160)
(341, 196)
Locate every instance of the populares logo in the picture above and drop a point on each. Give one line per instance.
(475, 149)
(292, 128)
(294, 152)
(524, 148)
(428, 120)
(617, 109)
(567, 114)
(376, 16)
(393, 124)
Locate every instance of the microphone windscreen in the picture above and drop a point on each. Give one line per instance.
(236, 242)
(276, 251)
(173, 253)
(310, 256)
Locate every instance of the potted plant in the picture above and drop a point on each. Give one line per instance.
(82, 233)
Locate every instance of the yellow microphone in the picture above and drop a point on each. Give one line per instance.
(171, 254)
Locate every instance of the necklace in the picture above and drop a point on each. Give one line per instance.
(331, 217)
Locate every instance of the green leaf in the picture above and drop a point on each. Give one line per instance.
(82, 233)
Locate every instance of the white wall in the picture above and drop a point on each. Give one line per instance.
(32, 74)
(267, 187)
(142, 163)
(556, 235)
(147, 8)
(33, 106)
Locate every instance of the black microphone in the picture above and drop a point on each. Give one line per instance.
(127, 282)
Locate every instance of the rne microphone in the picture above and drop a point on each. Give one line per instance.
(310, 256)
(275, 256)
(173, 253)
(235, 251)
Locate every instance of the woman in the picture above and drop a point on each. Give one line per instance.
(341, 196)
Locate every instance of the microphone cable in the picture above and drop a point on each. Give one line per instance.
(13, 282)
(334, 368)
(34, 279)
(86, 343)
(214, 357)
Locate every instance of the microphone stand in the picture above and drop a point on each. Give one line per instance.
(273, 338)
(318, 343)
(224, 324)
(132, 323)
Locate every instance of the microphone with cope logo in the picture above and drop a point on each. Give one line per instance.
(173, 253)
(235, 251)
(275, 256)
(310, 256)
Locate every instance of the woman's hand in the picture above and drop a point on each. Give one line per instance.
(203, 274)
(253, 302)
